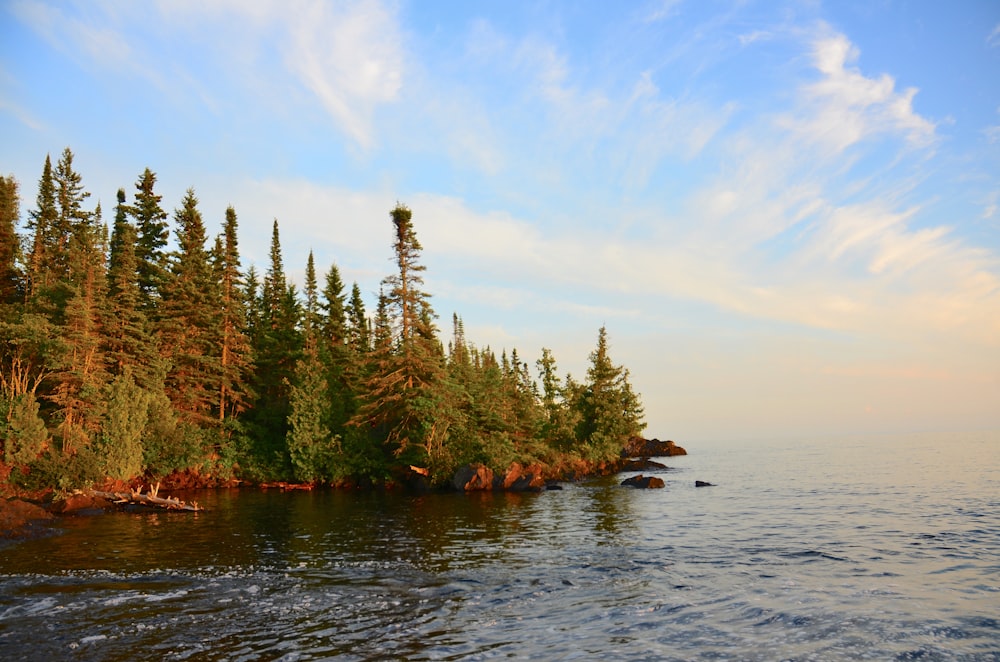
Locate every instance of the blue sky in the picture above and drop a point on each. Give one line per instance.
(787, 214)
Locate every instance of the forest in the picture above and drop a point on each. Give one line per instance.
(128, 354)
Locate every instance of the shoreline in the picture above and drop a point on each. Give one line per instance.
(27, 515)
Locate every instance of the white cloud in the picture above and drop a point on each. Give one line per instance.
(847, 107)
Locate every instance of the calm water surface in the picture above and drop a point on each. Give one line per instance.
(881, 548)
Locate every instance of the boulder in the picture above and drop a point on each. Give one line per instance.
(473, 477)
(80, 504)
(702, 483)
(639, 447)
(643, 464)
(16, 516)
(523, 479)
(643, 482)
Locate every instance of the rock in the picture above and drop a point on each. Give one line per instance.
(523, 479)
(639, 447)
(80, 504)
(643, 482)
(702, 483)
(16, 516)
(644, 464)
(553, 486)
(473, 477)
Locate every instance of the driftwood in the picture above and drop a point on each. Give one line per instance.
(149, 499)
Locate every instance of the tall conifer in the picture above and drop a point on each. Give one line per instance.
(189, 322)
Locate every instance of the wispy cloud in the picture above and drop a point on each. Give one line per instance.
(662, 9)
(351, 58)
(848, 107)
(994, 39)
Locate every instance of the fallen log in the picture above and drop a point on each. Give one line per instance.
(149, 499)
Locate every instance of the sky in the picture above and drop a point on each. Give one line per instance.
(786, 213)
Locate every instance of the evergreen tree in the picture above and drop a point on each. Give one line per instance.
(277, 343)
(41, 224)
(121, 447)
(407, 401)
(190, 324)
(558, 422)
(129, 345)
(236, 359)
(151, 239)
(76, 300)
(310, 444)
(311, 314)
(11, 286)
(357, 321)
(610, 412)
(334, 332)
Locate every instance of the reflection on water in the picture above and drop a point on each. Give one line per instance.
(805, 550)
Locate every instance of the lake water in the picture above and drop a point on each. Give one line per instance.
(880, 548)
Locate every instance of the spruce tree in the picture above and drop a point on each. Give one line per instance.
(151, 239)
(41, 225)
(311, 313)
(359, 332)
(610, 412)
(189, 321)
(236, 358)
(129, 344)
(407, 402)
(11, 285)
(277, 344)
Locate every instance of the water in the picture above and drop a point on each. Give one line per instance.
(885, 548)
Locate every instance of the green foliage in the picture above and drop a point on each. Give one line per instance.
(24, 433)
(610, 412)
(118, 359)
(11, 278)
(312, 448)
(121, 445)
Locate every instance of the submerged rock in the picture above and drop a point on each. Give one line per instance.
(702, 483)
(643, 482)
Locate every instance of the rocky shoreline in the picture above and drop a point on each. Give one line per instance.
(27, 516)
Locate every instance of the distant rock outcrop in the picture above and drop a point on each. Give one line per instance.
(643, 482)
(643, 464)
(639, 447)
